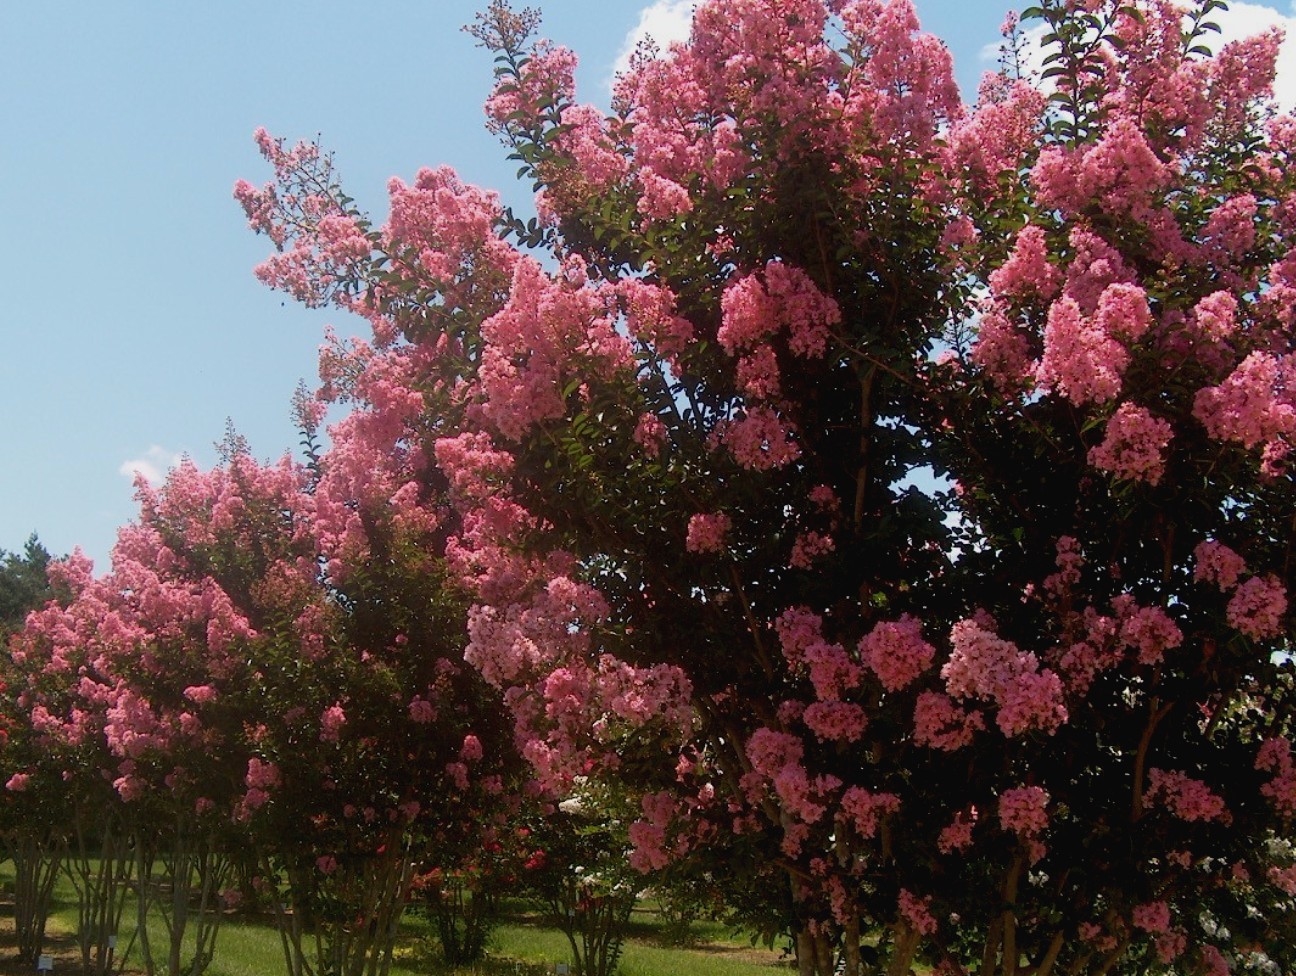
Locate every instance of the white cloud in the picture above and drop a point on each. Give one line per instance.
(153, 465)
(1240, 20)
(663, 21)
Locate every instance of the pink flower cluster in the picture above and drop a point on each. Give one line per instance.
(1254, 403)
(896, 652)
(1258, 606)
(957, 835)
(1187, 798)
(864, 810)
(939, 723)
(1275, 755)
(760, 440)
(706, 532)
(1024, 810)
(917, 912)
(1217, 563)
(982, 665)
(1134, 444)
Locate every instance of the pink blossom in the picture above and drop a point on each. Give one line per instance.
(421, 711)
(1081, 361)
(331, 722)
(760, 440)
(1252, 405)
(1258, 607)
(1027, 272)
(864, 810)
(783, 298)
(1134, 445)
(808, 547)
(1275, 754)
(1149, 630)
(1152, 917)
(917, 912)
(326, 864)
(471, 750)
(650, 434)
(261, 774)
(17, 783)
(1001, 350)
(985, 666)
(940, 724)
(957, 835)
(1024, 810)
(1217, 563)
(1283, 878)
(896, 652)
(706, 532)
(1188, 799)
(835, 721)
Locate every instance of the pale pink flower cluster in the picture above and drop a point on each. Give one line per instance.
(777, 757)
(1187, 798)
(1152, 917)
(650, 434)
(422, 711)
(1275, 755)
(896, 652)
(648, 833)
(651, 317)
(1120, 172)
(1081, 360)
(17, 783)
(982, 665)
(1254, 403)
(261, 778)
(1148, 630)
(1134, 444)
(957, 834)
(835, 721)
(917, 912)
(760, 440)
(865, 811)
(547, 78)
(1001, 350)
(707, 531)
(472, 463)
(1283, 878)
(1069, 561)
(1258, 607)
(1002, 129)
(780, 300)
(1024, 811)
(1028, 271)
(908, 94)
(1217, 563)
(939, 723)
(331, 722)
(548, 329)
(809, 547)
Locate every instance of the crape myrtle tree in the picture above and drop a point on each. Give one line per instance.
(30, 812)
(1033, 717)
(272, 674)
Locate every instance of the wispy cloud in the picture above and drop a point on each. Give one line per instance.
(153, 465)
(663, 21)
(1239, 21)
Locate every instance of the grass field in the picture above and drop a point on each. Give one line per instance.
(521, 946)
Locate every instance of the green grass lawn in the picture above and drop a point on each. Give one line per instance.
(522, 945)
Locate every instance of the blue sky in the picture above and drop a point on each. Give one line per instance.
(133, 326)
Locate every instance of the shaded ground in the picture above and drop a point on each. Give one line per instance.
(61, 946)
